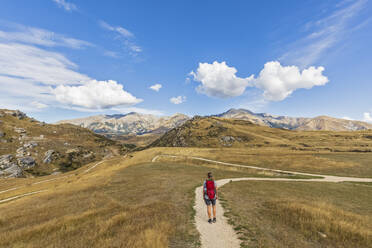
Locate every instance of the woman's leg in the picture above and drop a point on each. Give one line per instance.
(214, 211)
(209, 211)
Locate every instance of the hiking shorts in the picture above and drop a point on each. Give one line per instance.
(209, 201)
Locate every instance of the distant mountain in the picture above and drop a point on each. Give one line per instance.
(296, 123)
(131, 123)
(138, 124)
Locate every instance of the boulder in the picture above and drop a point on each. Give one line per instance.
(72, 151)
(30, 145)
(13, 171)
(19, 130)
(2, 134)
(20, 152)
(227, 140)
(5, 161)
(48, 156)
(16, 113)
(26, 162)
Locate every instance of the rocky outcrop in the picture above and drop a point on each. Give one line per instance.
(16, 113)
(30, 145)
(26, 162)
(48, 158)
(5, 161)
(227, 140)
(19, 130)
(8, 168)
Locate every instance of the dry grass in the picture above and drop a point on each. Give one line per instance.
(294, 214)
(121, 203)
(323, 221)
(340, 164)
(60, 138)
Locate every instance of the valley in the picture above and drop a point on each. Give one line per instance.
(144, 196)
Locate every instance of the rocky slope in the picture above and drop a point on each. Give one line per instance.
(132, 123)
(31, 148)
(296, 123)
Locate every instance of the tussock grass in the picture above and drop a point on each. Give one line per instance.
(300, 214)
(124, 202)
(324, 222)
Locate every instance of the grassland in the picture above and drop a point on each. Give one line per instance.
(300, 214)
(130, 202)
(124, 202)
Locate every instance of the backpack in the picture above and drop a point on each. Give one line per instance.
(211, 190)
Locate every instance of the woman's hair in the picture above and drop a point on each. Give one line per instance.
(210, 175)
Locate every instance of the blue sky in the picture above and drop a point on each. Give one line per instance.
(62, 59)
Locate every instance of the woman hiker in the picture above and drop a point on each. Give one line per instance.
(210, 196)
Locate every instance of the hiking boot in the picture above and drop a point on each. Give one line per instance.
(210, 221)
(214, 220)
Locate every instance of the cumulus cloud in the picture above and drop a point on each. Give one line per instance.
(65, 5)
(178, 99)
(95, 95)
(219, 80)
(155, 87)
(367, 117)
(276, 81)
(37, 77)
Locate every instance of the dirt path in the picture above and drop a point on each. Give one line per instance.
(39, 182)
(222, 234)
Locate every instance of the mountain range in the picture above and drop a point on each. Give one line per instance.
(138, 124)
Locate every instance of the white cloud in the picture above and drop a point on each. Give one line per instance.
(219, 80)
(120, 30)
(347, 118)
(38, 65)
(95, 95)
(278, 81)
(323, 34)
(65, 5)
(124, 35)
(30, 75)
(38, 105)
(111, 54)
(178, 99)
(155, 87)
(42, 37)
(367, 117)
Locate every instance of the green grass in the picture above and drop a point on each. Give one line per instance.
(299, 214)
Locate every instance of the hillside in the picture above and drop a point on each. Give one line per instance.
(220, 132)
(132, 123)
(296, 123)
(31, 148)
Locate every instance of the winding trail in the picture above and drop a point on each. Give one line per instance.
(19, 196)
(39, 182)
(222, 234)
